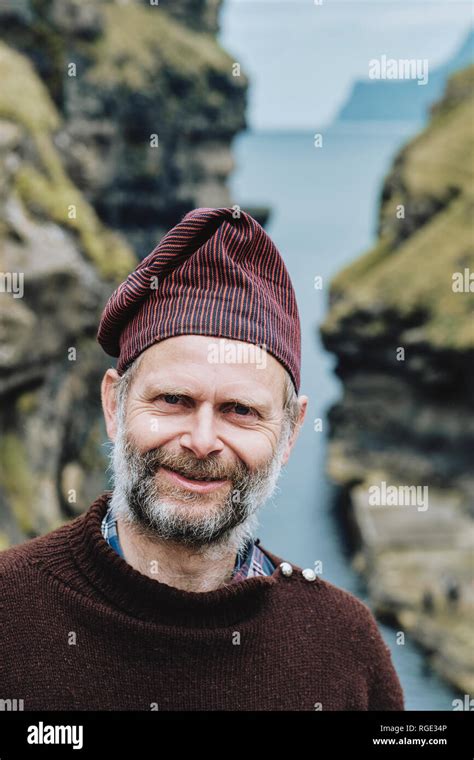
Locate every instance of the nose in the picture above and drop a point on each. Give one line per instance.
(201, 435)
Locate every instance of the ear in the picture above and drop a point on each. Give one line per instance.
(303, 404)
(109, 402)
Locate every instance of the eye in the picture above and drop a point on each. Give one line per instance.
(241, 410)
(169, 398)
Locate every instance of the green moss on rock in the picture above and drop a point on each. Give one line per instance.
(41, 182)
(17, 480)
(138, 39)
(27, 403)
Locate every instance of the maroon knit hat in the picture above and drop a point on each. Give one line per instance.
(215, 273)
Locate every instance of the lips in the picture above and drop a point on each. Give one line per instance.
(200, 484)
(199, 479)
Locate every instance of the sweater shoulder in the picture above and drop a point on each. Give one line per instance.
(343, 609)
(343, 602)
(354, 616)
(24, 556)
(338, 612)
(323, 604)
(336, 600)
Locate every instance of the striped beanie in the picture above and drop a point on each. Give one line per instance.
(215, 273)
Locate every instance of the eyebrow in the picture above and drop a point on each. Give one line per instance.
(170, 389)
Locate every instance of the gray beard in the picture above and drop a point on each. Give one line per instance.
(232, 523)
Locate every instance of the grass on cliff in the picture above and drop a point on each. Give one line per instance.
(417, 273)
(442, 156)
(138, 40)
(41, 181)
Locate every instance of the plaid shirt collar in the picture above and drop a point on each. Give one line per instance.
(249, 562)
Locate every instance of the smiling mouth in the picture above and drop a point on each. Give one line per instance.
(199, 479)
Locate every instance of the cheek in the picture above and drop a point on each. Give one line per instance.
(147, 430)
(253, 447)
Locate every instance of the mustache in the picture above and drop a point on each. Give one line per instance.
(190, 467)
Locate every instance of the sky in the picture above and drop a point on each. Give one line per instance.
(302, 58)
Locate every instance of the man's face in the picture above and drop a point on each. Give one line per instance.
(198, 447)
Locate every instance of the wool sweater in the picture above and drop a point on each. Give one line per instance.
(81, 629)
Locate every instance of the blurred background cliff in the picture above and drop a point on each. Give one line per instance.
(116, 118)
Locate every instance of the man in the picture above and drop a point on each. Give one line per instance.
(160, 597)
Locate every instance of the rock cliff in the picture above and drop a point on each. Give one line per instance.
(401, 324)
(150, 103)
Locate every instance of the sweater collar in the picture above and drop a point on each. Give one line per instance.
(248, 561)
(152, 600)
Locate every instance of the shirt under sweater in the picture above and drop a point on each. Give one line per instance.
(81, 629)
(249, 561)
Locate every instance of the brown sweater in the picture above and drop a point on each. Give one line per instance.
(80, 629)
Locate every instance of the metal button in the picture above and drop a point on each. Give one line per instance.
(286, 568)
(309, 574)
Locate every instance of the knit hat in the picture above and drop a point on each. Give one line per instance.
(215, 273)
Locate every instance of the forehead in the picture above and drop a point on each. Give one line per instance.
(213, 363)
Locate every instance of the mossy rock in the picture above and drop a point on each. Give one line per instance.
(17, 480)
(41, 182)
(27, 403)
(414, 275)
(138, 40)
